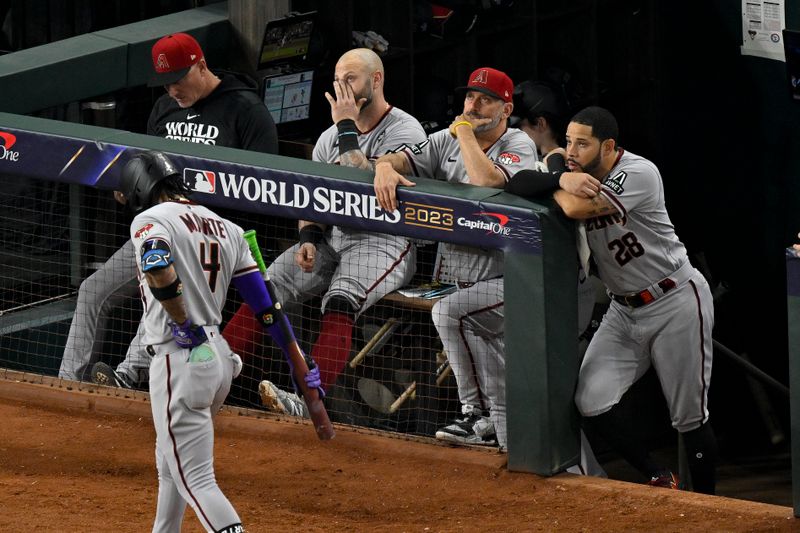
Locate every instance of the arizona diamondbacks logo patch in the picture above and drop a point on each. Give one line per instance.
(615, 182)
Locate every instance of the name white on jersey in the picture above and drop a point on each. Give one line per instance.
(207, 251)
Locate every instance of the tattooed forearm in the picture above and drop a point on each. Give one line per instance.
(583, 208)
(356, 159)
(599, 205)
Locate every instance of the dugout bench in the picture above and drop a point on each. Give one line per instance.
(393, 373)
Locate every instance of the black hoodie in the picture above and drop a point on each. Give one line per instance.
(232, 115)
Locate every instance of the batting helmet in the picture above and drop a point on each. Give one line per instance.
(533, 99)
(140, 177)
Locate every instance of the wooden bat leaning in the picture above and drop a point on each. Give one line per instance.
(316, 409)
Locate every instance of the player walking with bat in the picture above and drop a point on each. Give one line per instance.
(187, 257)
(298, 361)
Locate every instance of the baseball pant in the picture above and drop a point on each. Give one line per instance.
(366, 268)
(184, 396)
(470, 324)
(359, 266)
(673, 334)
(110, 286)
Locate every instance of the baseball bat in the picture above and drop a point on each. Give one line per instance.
(316, 409)
(409, 392)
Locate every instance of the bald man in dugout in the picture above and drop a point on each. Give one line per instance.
(350, 269)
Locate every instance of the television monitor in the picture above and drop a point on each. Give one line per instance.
(288, 95)
(286, 40)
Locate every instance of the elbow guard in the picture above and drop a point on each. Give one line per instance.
(156, 254)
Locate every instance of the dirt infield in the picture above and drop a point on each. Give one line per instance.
(79, 460)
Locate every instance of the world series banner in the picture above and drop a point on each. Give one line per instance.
(286, 193)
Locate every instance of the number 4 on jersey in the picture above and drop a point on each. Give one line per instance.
(211, 263)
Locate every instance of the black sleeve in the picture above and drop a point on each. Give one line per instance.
(556, 163)
(257, 130)
(152, 120)
(151, 123)
(528, 183)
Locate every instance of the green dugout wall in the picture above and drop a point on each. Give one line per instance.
(540, 281)
(793, 304)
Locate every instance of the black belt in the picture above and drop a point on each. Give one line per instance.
(644, 297)
(150, 350)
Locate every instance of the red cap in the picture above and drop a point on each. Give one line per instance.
(492, 82)
(173, 56)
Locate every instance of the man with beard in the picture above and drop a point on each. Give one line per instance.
(480, 149)
(661, 311)
(351, 269)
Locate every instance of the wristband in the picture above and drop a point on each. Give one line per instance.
(311, 233)
(457, 124)
(173, 290)
(348, 135)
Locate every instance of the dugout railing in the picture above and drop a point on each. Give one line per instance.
(540, 262)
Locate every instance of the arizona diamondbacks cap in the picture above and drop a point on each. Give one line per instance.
(491, 81)
(173, 56)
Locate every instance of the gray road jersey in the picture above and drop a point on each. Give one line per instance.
(440, 157)
(395, 129)
(207, 251)
(638, 246)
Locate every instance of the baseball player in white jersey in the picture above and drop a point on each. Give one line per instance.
(661, 312)
(478, 149)
(187, 257)
(351, 269)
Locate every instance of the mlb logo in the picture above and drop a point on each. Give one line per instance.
(200, 180)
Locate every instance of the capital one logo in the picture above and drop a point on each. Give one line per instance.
(7, 140)
(498, 226)
(200, 180)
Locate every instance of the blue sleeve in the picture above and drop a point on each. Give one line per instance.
(253, 291)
